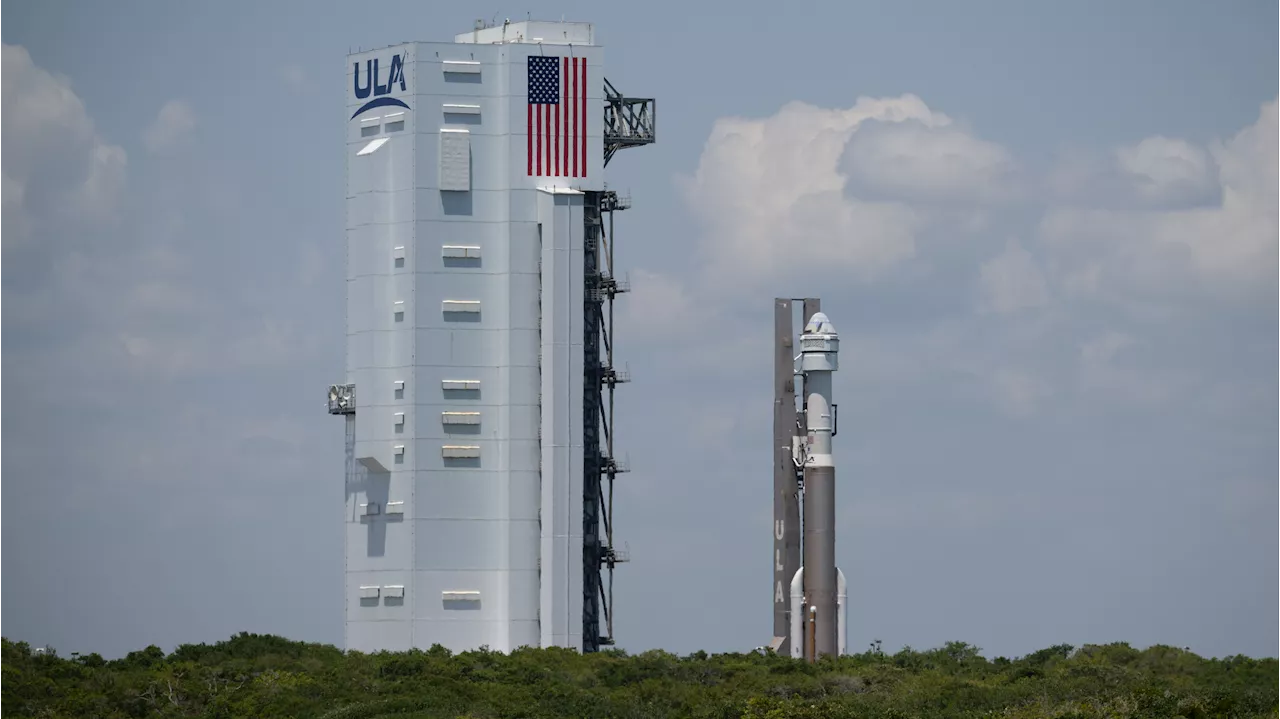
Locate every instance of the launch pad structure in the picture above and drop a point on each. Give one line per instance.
(481, 279)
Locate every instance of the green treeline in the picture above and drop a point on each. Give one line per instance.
(266, 676)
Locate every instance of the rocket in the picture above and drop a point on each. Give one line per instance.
(815, 615)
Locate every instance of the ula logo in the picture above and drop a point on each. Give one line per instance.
(373, 84)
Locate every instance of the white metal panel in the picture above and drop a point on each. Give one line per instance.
(371, 249)
(489, 290)
(461, 634)
(381, 207)
(468, 211)
(393, 591)
(455, 160)
(372, 146)
(380, 217)
(394, 121)
(496, 454)
(375, 389)
(465, 418)
(369, 591)
(523, 313)
(453, 108)
(380, 165)
(469, 306)
(476, 494)
(371, 636)
(468, 67)
(377, 545)
(460, 251)
(461, 544)
(561, 443)
(467, 345)
(462, 86)
(459, 384)
(460, 451)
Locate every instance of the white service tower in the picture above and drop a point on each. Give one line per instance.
(477, 269)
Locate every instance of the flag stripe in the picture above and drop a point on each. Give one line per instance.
(583, 107)
(564, 100)
(574, 105)
(528, 134)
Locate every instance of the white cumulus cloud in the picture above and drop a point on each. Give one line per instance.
(59, 175)
(1163, 170)
(764, 188)
(1225, 248)
(1012, 281)
(174, 123)
(1102, 372)
(835, 193)
(918, 162)
(1019, 392)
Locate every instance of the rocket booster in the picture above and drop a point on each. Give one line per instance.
(819, 585)
(819, 358)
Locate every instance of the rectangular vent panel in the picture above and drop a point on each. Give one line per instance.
(468, 67)
(460, 451)
(460, 251)
(460, 306)
(455, 160)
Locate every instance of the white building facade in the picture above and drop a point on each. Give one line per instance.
(467, 164)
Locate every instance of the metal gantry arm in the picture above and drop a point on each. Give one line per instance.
(628, 121)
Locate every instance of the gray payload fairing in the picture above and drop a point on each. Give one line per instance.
(809, 620)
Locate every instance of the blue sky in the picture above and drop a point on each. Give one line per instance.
(1046, 232)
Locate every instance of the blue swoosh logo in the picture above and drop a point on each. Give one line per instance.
(380, 102)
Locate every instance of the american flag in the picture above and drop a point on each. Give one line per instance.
(557, 129)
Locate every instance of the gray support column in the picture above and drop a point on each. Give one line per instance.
(786, 502)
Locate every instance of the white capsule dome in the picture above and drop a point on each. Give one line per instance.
(820, 325)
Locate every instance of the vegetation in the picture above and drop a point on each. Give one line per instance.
(266, 676)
